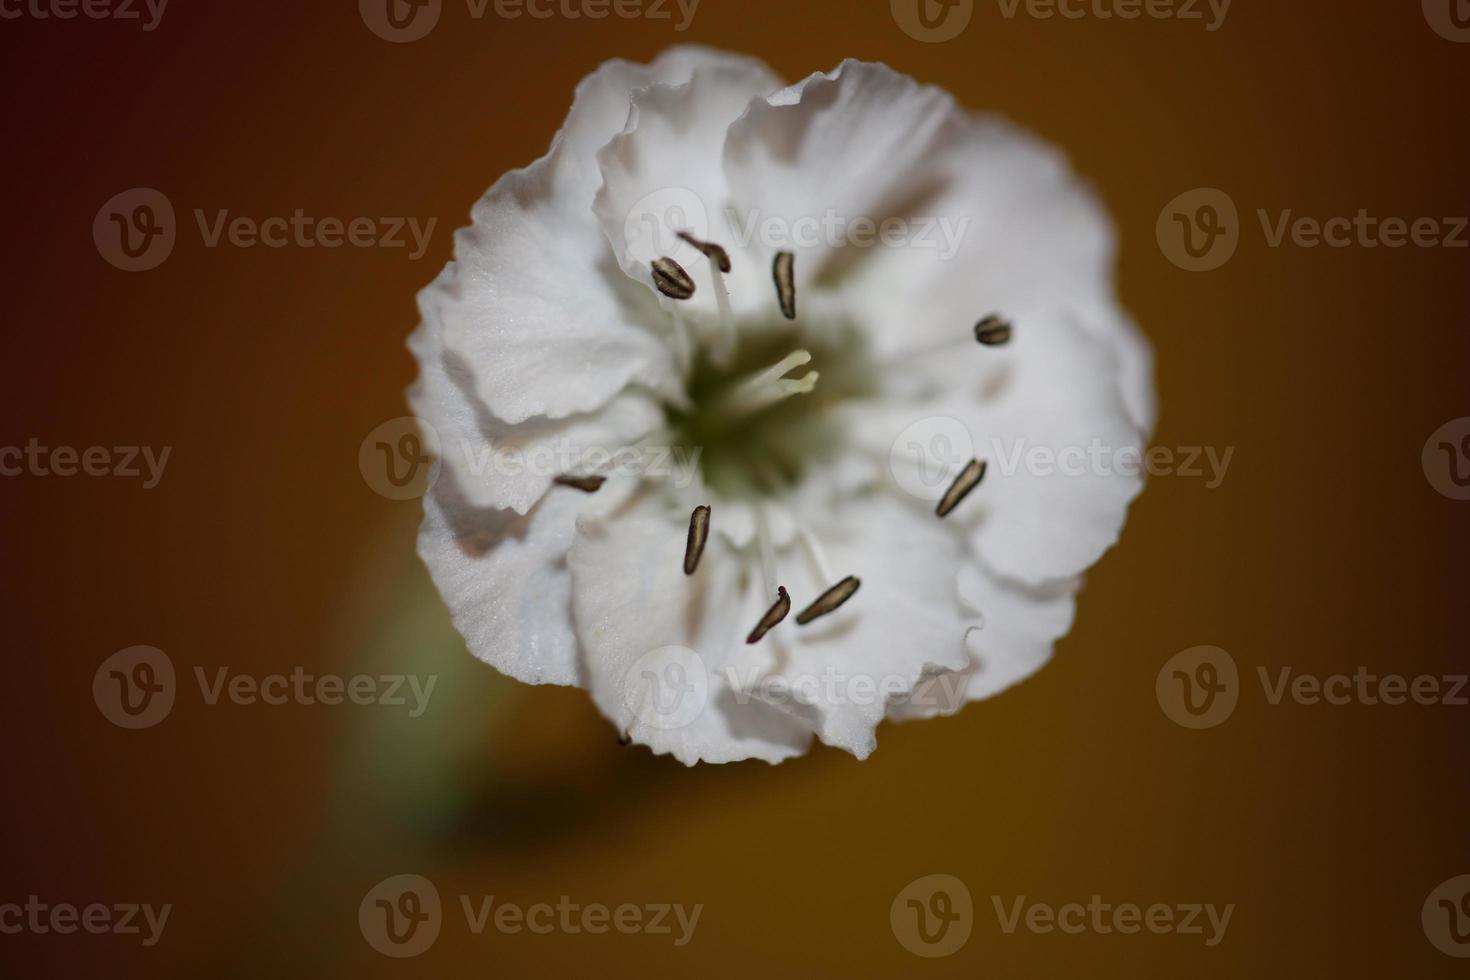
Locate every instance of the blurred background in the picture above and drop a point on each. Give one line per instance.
(262, 549)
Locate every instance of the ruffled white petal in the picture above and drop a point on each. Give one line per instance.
(663, 175)
(534, 306)
(838, 674)
(505, 581)
(502, 466)
(1045, 509)
(659, 644)
(1007, 228)
(840, 146)
(1020, 626)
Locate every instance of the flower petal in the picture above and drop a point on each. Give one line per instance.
(1063, 455)
(502, 466)
(504, 579)
(1011, 230)
(849, 144)
(657, 642)
(904, 625)
(533, 304)
(1021, 624)
(663, 175)
(504, 576)
(1041, 521)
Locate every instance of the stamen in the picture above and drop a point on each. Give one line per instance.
(711, 251)
(784, 272)
(683, 344)
(767, 387)
(993, 331)
(670, 279)
(968, 480)
(817, 555)
(829, 601)
(767, 549)
(698, 535)
(773, 616)
(719, 264)
(586, 484)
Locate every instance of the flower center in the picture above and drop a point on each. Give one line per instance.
(758, 428)
(763, 419)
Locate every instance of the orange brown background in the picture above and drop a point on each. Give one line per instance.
(262, 549)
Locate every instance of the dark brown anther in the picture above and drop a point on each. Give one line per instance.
(586, 484)
(993, 331)
(829, 601)
(784, 272)
(671, 279)
(773, 616)
(710, 250)
(698, 535)
(968, 480)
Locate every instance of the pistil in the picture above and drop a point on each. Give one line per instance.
(766, 387)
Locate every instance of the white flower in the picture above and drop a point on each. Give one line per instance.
(567, 319)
